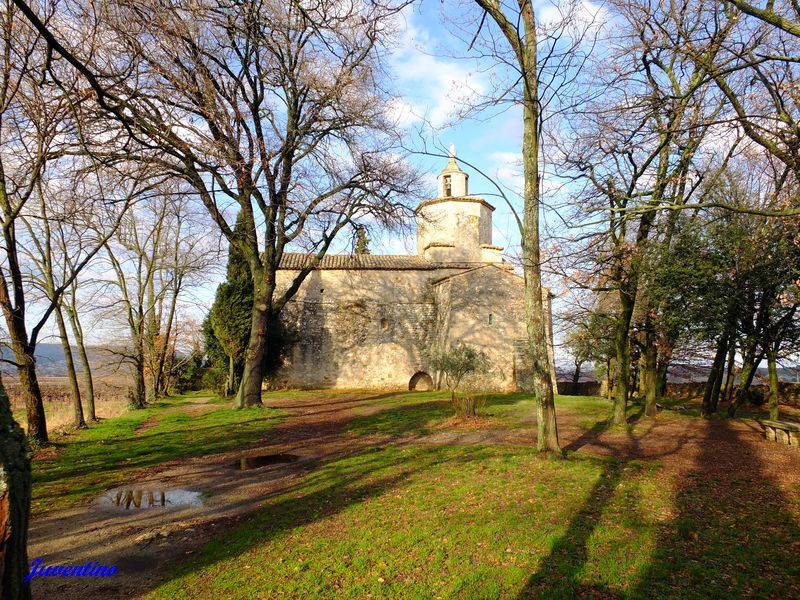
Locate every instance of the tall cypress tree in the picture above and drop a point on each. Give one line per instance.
(362, 241)
(229, 317)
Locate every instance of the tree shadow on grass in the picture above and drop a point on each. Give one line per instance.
(274, 402)
(418, 416)
(558, 576)
(401, 420)
(591, 435)
(588, 436)
(559, 573)
(735, 533)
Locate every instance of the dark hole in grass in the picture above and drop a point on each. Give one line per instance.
(246, 463)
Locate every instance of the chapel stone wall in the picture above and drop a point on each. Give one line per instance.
(485, 309)
(362, 329)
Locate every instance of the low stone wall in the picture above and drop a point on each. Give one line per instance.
(582, 388)
(789, 392)
(686, 391)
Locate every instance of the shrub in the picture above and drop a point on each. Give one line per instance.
(215, 380)
(455, 362)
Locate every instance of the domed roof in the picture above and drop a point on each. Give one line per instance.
(452, 165)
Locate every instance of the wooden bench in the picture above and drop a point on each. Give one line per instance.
(784, 432)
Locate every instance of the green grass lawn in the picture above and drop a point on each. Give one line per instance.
(423, 521)
(423, 412)
(112, 452)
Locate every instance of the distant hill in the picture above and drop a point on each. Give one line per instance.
(50, 360)
(682, 373)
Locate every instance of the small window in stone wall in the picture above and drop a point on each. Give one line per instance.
(491, 318)
(384, 324)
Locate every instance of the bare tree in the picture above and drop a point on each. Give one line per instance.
(78, 208)
(41, 130)
(634, 151)
(542, 60)
(756, 71)
(273, 107)
(153, 256)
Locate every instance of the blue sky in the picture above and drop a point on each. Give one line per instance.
(433, 77)
(433, 86)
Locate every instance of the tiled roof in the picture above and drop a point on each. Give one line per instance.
(374, 262)
(473, 199)
(451, 167)
(504, 267)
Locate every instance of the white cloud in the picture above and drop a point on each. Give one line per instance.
(434, 87)
(402, 112)
(581, 14)
(506, 169)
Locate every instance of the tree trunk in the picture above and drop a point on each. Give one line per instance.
(547, 428)
(576, 376)
(255, 357)
(77, 332)
(640, 377)
(162, 387)
(661, 381)
(151, 326)
(32, 394)
(717, 387)
(634, 386)
(15, 501)
(231, 377)
(623, 356)
(26, 369)
(78, 420)
(650, 375)
(525, 45)
(772, 365)
(727, 391)
(88, 381)
(138, 393)
(749, 368)
(715, 377)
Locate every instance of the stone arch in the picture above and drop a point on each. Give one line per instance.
(421, 382)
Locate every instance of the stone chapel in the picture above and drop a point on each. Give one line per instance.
(369, 321)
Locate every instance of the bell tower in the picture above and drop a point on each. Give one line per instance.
(455, 227)
(453, 182)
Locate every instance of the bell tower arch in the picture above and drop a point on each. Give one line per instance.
(454, 226)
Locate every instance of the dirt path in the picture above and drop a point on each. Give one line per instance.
(196, 406)
(143, 544)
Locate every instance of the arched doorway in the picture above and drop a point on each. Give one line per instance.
(421, 382)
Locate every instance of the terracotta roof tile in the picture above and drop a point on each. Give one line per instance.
(375, 262)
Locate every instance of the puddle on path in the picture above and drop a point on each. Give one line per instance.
(246, 463)
(132, 498)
